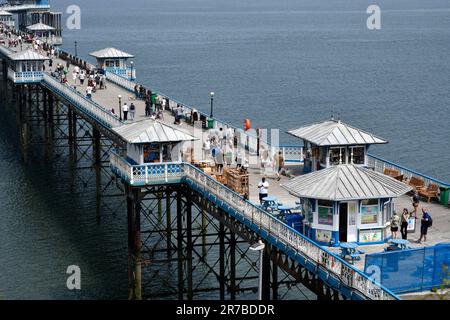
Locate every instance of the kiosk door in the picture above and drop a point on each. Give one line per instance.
(352, 231)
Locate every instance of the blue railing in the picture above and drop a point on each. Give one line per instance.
(25, 76)
(379, 164)
(331, 268)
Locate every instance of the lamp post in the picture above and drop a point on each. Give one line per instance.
(132, 63)
(212, 103)
(120, 106)
(76, 49)
(259, 246)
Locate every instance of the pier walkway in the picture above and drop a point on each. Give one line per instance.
(332, 269)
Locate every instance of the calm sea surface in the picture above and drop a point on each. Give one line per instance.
(281, 63)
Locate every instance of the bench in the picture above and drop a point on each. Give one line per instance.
(416, 183)
(355, 256)
(430, 192)
(394, 173)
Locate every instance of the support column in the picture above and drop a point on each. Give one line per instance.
(204, 227)
(168, 225)
(232, 265)
(222, 258)
(266, 274)
(97, 147)
(318, 283)
(180, 246)
(274, 274)
(190, 287)
(134, 243)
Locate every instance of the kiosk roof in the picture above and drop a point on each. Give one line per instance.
(335, 133)
(345, 182)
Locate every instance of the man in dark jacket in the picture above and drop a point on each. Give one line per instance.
(425, 224)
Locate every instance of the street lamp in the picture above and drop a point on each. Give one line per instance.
(120, 106)
(259, 246)
(132, 63)
(212, 102)
(76, 49)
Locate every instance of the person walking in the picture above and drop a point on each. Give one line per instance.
(219, 161)
(89, 92)
(395, 221)
(147, 109)
(132, 111)
(263, 187)
(426, 222)
(279, 163)
(82, 77)
(206, 148)
(415, 202)
(125, 111)
(404, 224)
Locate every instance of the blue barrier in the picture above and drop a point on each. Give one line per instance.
(412, 270)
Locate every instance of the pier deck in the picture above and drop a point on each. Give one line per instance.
(108, 98)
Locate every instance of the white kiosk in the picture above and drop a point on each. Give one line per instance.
(151, 141)
(6, 18)
(26, 67)
(115, 61)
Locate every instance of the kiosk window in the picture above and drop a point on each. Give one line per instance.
(357, 155)
(337, 156)
(325, 210)
(369, 211)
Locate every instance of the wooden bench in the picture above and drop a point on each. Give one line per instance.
(430, 192)
(394, 173)
(416, 183)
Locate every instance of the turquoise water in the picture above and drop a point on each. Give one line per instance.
(280, 63)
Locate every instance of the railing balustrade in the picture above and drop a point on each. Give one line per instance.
(348, 275)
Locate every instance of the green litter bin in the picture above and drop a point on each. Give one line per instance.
(154, 94)
(444, 195)
(210, 123)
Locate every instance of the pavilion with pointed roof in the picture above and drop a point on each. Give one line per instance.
(334, 142)
(347, 203)
(41, 30)
(153, 141)
(115, 61)
(6, 18)
(26, 66)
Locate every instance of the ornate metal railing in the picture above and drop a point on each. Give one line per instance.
(120, 80)
(26, 76)
(85, 105)
(345, 273)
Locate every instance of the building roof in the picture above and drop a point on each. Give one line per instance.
(150, 131)
(335, 133)
(345, 182)
(110, 53)
(27, 55)
(5, 13)
(40, 27)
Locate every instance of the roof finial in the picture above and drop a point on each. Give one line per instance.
(332, 113)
